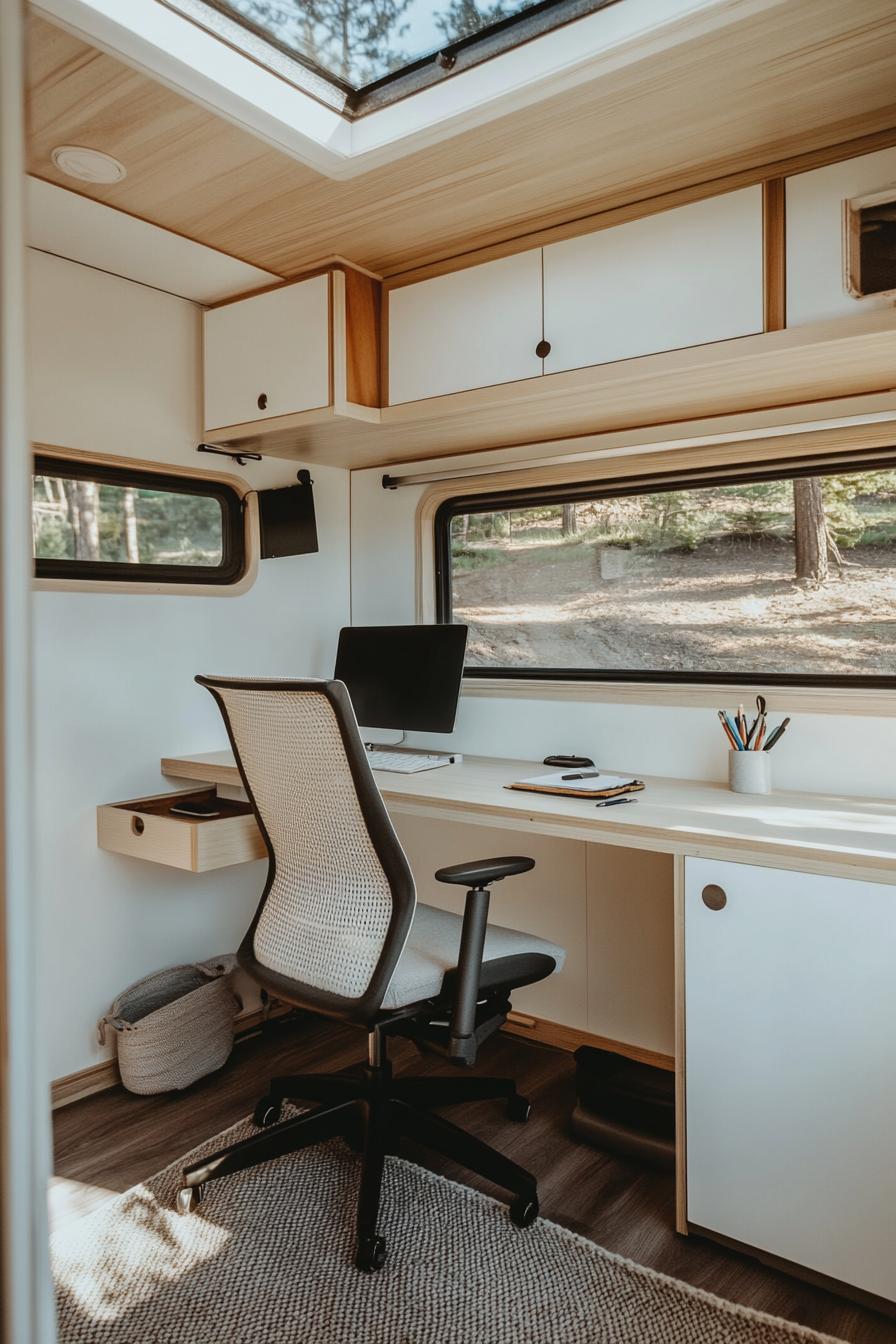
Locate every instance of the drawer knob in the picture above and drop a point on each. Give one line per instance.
(714, 897)
(543, 349)
(263, 401)
(138, 825)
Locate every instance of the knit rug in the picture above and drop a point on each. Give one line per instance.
(267, 1258)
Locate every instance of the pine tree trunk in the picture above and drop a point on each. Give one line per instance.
(132, 545)
(570, 522)
(810, 530)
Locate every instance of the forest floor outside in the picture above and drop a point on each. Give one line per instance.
(732, 605)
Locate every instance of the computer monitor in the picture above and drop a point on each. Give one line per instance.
(403, 676)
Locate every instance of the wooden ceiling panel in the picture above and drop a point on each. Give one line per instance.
(783, 82)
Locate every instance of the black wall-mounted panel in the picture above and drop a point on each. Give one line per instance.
(288, 524)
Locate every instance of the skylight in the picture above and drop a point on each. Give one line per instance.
(374, 51)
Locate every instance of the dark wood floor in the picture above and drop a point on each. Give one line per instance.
(115, 1139)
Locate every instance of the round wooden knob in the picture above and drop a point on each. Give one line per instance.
(263, 401)
(543, 349)
(714, 897)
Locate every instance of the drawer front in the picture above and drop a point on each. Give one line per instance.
(178, 842)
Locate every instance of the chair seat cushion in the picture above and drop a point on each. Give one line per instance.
(432, 949)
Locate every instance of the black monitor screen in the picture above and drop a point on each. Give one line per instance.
(403, 676)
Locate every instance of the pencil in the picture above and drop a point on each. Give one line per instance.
(760, 735)
(728, 732)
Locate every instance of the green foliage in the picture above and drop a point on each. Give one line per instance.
(178, 529)
(465, 561)
(55, 540)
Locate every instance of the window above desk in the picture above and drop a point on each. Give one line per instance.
(781, 573)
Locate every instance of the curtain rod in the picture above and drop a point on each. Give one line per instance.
(659, 446)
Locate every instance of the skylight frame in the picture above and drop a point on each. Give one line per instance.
(264, 49)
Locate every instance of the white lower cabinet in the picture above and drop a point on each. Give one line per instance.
(791, 1067)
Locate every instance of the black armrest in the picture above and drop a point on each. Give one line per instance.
(477, 877)
(484, 871)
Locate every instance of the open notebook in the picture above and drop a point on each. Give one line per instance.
(595, 784)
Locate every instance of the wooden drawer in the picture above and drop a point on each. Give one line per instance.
(145, 829)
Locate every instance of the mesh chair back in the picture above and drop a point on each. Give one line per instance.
(340, 896)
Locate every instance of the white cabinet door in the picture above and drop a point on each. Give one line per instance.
(791, 1067)
(470, 329)
(685, 277)
(274, 348)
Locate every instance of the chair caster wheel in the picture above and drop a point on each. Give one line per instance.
(189, 1198)
(524, 1210)
(267, 1112)
(371, 1254)
(518, 1109)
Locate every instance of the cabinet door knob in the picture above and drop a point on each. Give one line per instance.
(543, 349)
(714, 897)
(263, 401)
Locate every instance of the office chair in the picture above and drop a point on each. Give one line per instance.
(339, 931)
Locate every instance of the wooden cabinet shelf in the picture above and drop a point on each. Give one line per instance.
(144, 828)
(818, 362)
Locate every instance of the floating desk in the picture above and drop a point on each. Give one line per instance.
(777, 916)
(823, 833)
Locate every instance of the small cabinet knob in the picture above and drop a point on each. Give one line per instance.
(714, 897)
(263, 401)
(543, 349)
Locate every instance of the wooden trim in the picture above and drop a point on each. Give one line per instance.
(774, 267)
(570, 1038)
(650, 205)
(681, 1136)
(797, 699)
(363, 303)
(74, 1086)
(252, 540)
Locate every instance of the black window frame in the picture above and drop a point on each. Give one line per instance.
(233, 533)
(830, 464)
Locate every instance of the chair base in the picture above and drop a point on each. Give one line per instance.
(373, 1112)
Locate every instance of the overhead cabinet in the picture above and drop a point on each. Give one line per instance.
(472, 328)
(791, 1067)
(686, 277)
(308, 349)
(268, 355)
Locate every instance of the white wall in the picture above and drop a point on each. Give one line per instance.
(114, 368)
(824, 753)
(814, 223)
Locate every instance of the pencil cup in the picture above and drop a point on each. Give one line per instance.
(749, 772)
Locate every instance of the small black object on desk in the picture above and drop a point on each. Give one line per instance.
(569, 762)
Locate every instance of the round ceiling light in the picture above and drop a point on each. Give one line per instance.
(88, 164)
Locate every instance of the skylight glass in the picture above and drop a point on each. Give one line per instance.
(361, 41)
(357, 55)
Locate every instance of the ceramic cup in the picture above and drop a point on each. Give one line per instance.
(749, 772)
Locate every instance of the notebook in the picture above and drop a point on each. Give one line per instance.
(600, 784)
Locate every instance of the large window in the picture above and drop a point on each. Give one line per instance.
(99, 523)
(783, 575)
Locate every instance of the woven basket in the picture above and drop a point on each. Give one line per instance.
(174, 1026)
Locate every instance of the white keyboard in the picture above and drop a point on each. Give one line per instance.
(403, 763)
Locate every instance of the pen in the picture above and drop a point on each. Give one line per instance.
(728, 732)
(734, 733)
(775, 735)
(611, 802)
(583, 774)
